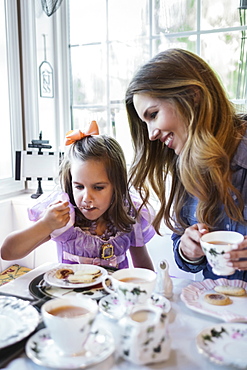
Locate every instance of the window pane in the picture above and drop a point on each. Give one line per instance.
(124, 58)
(81, 117)
(222, 52)
(87, 21)
(174, 16)
(165, 42)
(219, 14)
(5, 147)
(128, 19)
(89, 74)
(123, 132)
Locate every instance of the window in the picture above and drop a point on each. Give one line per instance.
(110, 39)
(11, 116)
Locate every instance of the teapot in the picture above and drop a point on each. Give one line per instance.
(144, 338)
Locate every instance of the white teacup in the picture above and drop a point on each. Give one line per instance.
(69, 321)
(215, 245)
(132, 285)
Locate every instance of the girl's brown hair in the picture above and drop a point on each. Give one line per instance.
(214, 129)
(106, 150)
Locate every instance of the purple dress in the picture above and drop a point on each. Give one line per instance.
(78, 246)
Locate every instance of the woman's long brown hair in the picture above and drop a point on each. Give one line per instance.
(203, 168)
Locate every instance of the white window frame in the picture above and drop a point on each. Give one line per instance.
(29, 70)
(24, 84)
(9, 185)
(197, 33)
(62, 77)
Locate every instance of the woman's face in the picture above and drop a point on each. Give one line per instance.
(162, 121)
(92, 189)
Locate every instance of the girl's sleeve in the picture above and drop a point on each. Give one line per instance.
(43, 202)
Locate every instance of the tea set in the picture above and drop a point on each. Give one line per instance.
(136, 300)
(73, 334)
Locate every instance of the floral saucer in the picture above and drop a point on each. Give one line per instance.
(41, 349)
(40, 289)
(18, 319)
(111, 307)
(224, 344)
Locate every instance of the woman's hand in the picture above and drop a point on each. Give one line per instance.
(190, 242)
(239, 252)
(57, 215)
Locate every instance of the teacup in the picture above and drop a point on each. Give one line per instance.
(69, 321)
(215, 244)
(132, 285)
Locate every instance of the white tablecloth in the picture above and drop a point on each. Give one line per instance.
(184, 325)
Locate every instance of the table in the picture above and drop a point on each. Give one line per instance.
(184, 325)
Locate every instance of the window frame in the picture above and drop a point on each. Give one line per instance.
(198, 32)
(9, 185)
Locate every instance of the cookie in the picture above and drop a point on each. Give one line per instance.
(84, 279)
(89, 271)
(63, 273)
(217, 299)
(230, 290)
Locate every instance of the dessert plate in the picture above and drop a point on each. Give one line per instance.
(18, 319)
(193, 297)
(51, 279)
(111, 307)
(39, 288)
(42, 350)
(224, 344)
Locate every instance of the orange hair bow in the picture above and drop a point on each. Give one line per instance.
(74, 135)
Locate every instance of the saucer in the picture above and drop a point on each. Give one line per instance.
(224, 344)
(111, 307)
(40, 289)
(42, 350)
(18, 319)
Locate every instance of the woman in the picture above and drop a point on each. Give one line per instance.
(191, 148)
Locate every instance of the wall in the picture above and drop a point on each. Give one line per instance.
(13, 216)
(160, 248)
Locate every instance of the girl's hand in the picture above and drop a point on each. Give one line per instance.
(57, 215)
(190, 241)
(239, 252)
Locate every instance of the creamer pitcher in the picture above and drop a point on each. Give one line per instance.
(144, 335)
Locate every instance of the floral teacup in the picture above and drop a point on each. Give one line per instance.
(132, 285)
(215, 245)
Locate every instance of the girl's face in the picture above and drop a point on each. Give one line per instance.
(92, 189)
(162, 121)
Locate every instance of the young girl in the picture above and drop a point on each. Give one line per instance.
(93, 220)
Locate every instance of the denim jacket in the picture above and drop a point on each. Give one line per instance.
(239, 180)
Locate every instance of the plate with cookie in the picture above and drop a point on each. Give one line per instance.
(75, 276)
(222, 298)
